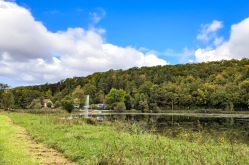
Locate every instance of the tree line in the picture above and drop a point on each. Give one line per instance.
(211, 85)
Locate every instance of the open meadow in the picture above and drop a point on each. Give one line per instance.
(132, 82)
(89, 142)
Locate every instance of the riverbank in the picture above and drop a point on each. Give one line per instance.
(105, 144)
(206, 115)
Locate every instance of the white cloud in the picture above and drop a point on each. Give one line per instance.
(97, 15)
(186, 55)
(31, 54)
(208, 32)
(235, 48)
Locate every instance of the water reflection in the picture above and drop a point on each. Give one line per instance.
(235, 126)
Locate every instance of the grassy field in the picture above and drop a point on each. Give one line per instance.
(104, 144)
(12, 151)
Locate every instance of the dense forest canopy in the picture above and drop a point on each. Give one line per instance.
(215, 85)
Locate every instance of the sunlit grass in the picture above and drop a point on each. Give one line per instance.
(103, 144)
(12, 150)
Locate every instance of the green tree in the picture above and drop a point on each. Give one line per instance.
(48, 94)
(171, 94)
(129, 102)
(157, 96)
(68, 104)
(244, 91)
(7, 100)
(223, 84)
(78, 95)
(141, 102)
(120, 106)
(90, 89)
(100, 97)
(24, 96)
(115, 96)
(143, 106)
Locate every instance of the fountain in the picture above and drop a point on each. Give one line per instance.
(86, 106)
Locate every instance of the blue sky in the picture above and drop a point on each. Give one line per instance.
(58, 38)
(153, 24)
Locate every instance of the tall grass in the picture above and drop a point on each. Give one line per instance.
(107, 144)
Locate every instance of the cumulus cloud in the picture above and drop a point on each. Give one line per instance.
(236, 47)
(208, 31)
(30, 53)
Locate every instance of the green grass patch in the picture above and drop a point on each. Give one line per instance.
(12, 151)
(103, 144)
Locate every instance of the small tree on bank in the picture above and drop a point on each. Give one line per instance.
(67, 104)
(119, 107)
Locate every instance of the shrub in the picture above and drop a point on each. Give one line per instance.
(120, 106)
(35, 104)
(154, 108)
(49, 104)
(143, 106)
(57, 104)
(91, 121)
(67, 104)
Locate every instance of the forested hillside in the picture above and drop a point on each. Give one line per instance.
(215, 85)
